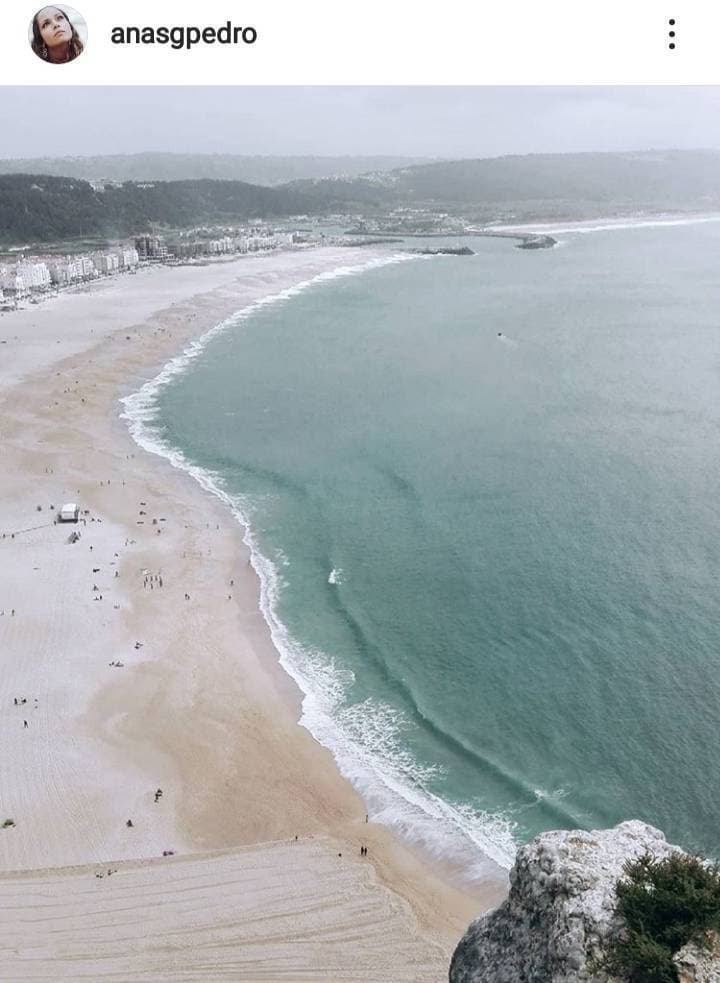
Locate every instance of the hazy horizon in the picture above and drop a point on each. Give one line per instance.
(398, 121)
(368, 156)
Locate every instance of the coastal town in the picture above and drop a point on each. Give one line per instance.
(30, 277)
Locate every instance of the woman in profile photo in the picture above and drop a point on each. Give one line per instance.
(54, 37)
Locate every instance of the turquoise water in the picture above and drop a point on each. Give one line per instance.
(491, 561)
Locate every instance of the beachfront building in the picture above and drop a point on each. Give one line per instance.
(107, 263)
(30, 276)
(256, 243)
(128, 257)
(61, 272)
(88, 267)
(151, 247)
(13, 286)
(184, 250)
(24, 278)
(223, 245)
(35, 276)
(72, 269)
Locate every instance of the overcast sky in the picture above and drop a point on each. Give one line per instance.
(438, 122)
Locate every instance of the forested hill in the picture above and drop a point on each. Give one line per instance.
(39, 208)
(544, 185)
(268, 171)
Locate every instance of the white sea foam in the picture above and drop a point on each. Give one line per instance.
(610, 225)
(366, 739)
(542, 794)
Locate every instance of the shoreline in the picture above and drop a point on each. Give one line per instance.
(618, 223)
(202, 708)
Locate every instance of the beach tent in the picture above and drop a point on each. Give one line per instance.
(69, 512)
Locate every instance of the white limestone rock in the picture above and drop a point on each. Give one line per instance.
(559, 910)
(696, 965)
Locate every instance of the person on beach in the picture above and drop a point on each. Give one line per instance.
(54, 37)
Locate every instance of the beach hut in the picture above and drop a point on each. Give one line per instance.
(69, 513)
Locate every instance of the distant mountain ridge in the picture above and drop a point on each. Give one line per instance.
(542, 186)
(263, 170)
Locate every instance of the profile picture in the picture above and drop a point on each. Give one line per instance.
(58, 34)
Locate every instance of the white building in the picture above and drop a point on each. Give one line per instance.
(128, 257)
(35, 276)
(223, 245)
(106, 263)
(66, 271)
(59, 273)
(13, 285)
(87, 266)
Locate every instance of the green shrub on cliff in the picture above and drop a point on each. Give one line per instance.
(663, 904)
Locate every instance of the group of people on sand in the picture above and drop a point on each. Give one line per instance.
(109, 873)
(21, 701)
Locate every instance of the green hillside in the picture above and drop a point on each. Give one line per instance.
(41, 208)
(268, 171)
(544, 185)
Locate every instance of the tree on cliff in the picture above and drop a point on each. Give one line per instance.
(663, 904)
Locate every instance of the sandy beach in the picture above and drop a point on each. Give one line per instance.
(198, 706)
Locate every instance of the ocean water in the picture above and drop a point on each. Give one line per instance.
(483, 498)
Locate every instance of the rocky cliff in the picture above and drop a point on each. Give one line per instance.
(696, 965)
(560, 911)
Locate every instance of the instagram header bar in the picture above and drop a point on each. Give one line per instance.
(375, 43)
